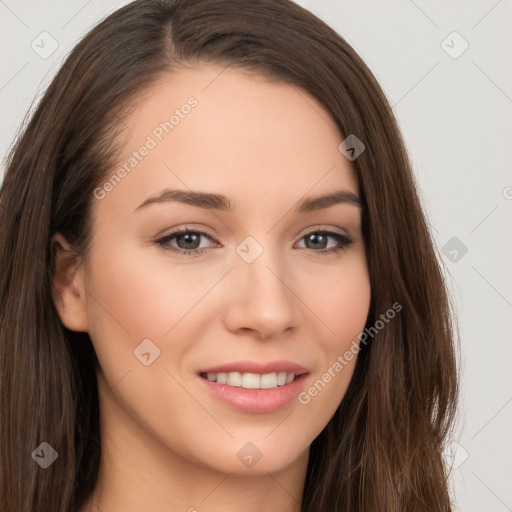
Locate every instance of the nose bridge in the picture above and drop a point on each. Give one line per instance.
(262, 298)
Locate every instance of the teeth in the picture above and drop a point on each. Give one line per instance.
(281, 378)
(268, 381)
(252, 380)
(234, 379)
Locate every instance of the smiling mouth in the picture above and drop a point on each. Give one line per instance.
(251, 380)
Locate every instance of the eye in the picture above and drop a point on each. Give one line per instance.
(187, 242)
(319, 239)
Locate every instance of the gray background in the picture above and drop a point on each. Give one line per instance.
(455, 114)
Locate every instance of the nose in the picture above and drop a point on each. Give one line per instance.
(261, 298)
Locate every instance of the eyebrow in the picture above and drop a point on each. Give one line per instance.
(222, 203)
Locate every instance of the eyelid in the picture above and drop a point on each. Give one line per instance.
(187, 229)
(345, 242)
(211, 234)
(164, 239)
(321, 227)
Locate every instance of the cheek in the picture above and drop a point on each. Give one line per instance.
(132, 297)
(348, 309)
(341, 303)
(135, 296)
(340, 297)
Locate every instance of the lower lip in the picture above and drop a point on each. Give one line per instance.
(256, 400)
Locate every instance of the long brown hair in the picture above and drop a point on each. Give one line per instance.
(382, 450)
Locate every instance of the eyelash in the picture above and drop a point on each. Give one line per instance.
(344, 241)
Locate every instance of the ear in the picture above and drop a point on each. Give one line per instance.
(68, 285)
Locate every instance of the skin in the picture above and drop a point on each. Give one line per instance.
(167, 443)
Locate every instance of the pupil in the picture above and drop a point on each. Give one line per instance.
(312, 238)
(187, 237)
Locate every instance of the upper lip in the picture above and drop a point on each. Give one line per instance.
(257, 367)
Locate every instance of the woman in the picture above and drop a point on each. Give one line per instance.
(192, 172)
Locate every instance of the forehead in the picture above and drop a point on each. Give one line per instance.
(230, 131)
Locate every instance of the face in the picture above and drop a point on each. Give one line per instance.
(259, 292)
